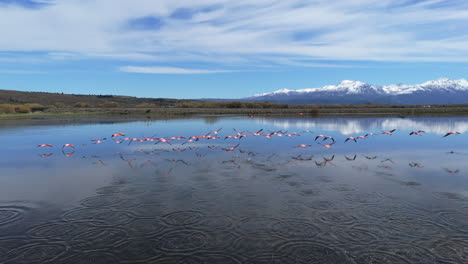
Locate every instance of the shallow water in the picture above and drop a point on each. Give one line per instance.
(386, 199)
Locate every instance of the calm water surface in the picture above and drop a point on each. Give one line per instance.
(386, 199)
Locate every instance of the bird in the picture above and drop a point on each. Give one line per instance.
(177, 138)
(135, 139)
(216, 131)
(417, 132)
(324, 137)
(44, 145)
(230, 136)
(98, 141)
(388, 132)
(452, 133)
(232, 148)
(350, 138)
(68, 145)
(118, 134)
(256, 134)
(163, 140)
(303, 146)
(415, 165)
(328, 145)
(350, 159)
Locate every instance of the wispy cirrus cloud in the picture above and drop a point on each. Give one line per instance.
(239, 33)
(167, 70)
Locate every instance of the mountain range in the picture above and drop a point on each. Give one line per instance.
(439, 91)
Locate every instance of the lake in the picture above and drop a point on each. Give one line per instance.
(394, 198)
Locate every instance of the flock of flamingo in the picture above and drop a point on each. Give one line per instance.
(326, 140)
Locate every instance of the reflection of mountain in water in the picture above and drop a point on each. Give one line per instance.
(348, 126)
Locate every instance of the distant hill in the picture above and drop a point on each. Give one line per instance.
(440, 91)
(54, 99)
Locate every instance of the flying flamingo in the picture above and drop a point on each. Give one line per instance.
(68, 145)
(134, 139)
(44, 145)
(452, 133)
(324, 137)
(216, 131)
(232, 148)
(328, 145)
(417, 132)
(303, 146)
(163, 140)
(256, 134)
(177, 138)
(118, 134)
(388, 132)
(97, 141)
(361, 137)
(45, 155)
(350, 138)
(230, 136)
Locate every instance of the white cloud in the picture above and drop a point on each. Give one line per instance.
(167, 70)
(243, 32)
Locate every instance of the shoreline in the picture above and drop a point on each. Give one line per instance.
(323, 111)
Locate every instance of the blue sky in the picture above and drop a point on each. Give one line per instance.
(227, 49)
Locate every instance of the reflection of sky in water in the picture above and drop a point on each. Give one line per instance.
(261, 177)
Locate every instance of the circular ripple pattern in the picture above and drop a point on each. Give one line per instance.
(144, 227)
(210, 258)
(256, 245)
(36, 253)
(344, 188)
(9, 214)
(337, 217)
(380, 258)
(352, 236)
(363, 198)
(454, 248)
(311, 253)
(182, 241)
(100, 201)
(183, 218)
(90, 257)
(137, 250)
(82, 214)
(270, 259)
(52, 230)
(293, 229)
(101, 238)
(257, 225)
(109, 190)
(215, 222)
(320, 205)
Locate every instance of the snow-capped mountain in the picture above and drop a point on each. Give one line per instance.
(440, 91)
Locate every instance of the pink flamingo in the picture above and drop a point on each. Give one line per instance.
(350, 138)
(388, 132)
(68, 145)
(303, 146)
(44, 145)
(452, 133)
(417, 132)
(118, 134)
(232, 148)
(328, 145)
(256, 134)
